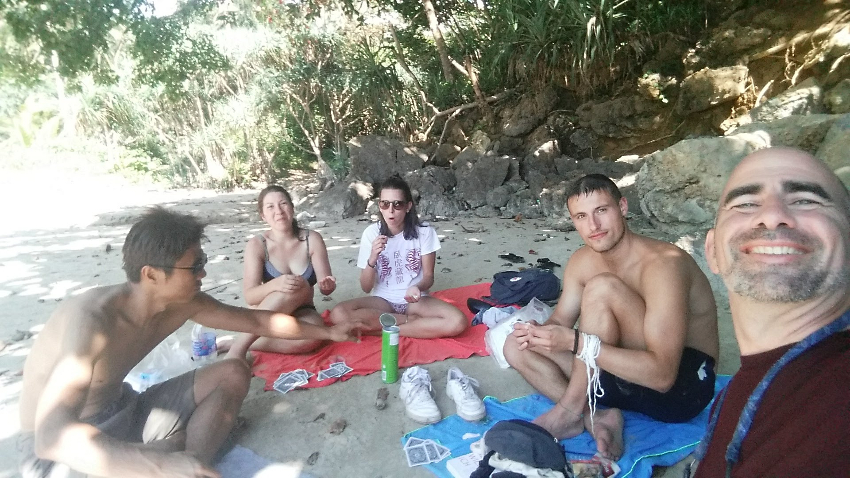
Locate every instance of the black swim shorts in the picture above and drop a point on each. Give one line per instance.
(690, 394)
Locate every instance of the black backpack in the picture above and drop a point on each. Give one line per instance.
(519, 287)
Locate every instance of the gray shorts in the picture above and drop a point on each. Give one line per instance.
(155, 414)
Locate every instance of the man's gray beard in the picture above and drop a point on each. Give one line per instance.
(770, 285)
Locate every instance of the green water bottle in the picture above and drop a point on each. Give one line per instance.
(389, 348)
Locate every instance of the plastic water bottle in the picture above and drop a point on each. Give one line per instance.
(203, 344)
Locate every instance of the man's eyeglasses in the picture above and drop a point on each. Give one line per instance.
(196, 268)
(395, 204)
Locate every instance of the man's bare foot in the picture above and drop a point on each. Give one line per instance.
(223, 344)
(560, 422)
(608, 432)
(239, 347)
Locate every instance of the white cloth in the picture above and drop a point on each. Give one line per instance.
(399, 266)
(494, 315)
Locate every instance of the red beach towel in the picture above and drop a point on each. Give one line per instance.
(365, 357)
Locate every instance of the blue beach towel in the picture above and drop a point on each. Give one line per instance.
(648, 442)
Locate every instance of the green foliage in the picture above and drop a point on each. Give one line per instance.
(229, 93)
(170, 53)
(578, 40)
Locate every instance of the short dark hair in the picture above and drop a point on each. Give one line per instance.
(411, 219)
(274, 188)
(593, 183)
(159, 239)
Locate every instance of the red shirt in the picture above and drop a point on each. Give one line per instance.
(801, 428)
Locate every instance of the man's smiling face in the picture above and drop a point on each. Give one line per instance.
(782, 229)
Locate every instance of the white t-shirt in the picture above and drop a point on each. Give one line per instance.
(399, 266)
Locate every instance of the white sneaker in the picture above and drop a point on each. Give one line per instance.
(415, 390)
(459, 388)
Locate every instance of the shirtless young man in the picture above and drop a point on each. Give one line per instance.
(651, 307)
(78, 417)
(781, 242)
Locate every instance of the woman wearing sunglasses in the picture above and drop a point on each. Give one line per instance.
(397, 257)
(282, 266)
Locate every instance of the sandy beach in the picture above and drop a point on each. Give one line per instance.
(61, 241)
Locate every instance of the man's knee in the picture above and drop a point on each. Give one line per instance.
(600, 288)
(234, 377)
(513, 354)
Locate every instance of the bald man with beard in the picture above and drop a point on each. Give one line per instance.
(781, 243)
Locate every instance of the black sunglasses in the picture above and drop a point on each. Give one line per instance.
(196, 268)
(395, 204)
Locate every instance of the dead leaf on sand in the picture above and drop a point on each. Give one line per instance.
(320, 416)
(381, 401)
(338, 426)
(313, 458)
(472, 230)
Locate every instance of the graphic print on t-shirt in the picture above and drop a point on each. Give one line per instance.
(414, 261)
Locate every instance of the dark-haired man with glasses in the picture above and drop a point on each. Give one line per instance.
(78, 417)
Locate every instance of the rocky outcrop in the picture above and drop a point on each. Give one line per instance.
(375, 158)
(528, 113)
(679, 186)
(339, 201)
(432, 188)
(804, 132)
(804, 99)
(835, 147)
(476, 175)
(707, 88)
(837, 100)
(621, 117)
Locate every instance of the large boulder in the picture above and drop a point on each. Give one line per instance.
(679, 186)
(523, 203)
(499, 197)
(431, 186)
(478, 175)
(711, 87)
(444, 154)
(837, 100)
(342, 200)
(803, 99)
(834, 149)
(622, 117)
(804, 132)
(529, 112)
(375, 158)
(539, 168)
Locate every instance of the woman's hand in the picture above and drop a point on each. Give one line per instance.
(378, 246)
(327, 285)
(413, 294)
(289, 283)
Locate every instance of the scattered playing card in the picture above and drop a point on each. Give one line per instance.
(290, 380)
(416, 455)
(284, 388)
(413, 441)
(434, 452)
(431, 450)
(444, 452)
(336, 369)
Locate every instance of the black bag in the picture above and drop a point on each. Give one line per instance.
(519, 287)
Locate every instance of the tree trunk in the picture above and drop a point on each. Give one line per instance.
(428, 5)
(479, 96)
